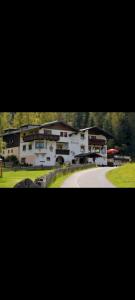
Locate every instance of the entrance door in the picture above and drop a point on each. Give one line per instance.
(60, 160)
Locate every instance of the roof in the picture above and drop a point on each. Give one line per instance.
(28, 127)
(89, 154)
(58, 122)
(93, 130)
(97, 130)
(10, 129)
(11, 132)
(21, 129)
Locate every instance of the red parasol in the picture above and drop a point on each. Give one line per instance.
(112, 151)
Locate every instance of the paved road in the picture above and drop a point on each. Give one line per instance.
(92, 178)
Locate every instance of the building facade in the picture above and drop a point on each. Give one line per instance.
(55, 142)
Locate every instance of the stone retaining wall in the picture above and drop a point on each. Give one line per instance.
(46, 180)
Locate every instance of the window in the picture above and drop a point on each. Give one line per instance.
(82, 136)
(103, 150)
(63, 134)
(8, 151)
(90, 149)
(62, 146)
(82, 148)
(48, 158)
(30, 147)
(12, 151)
(23, 160)
(24, 147)
(39, 145)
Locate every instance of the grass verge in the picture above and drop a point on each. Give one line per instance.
(10, 178)
(123, 177)
(60, 179)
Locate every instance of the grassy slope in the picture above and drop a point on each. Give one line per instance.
(10, 178)
(123, 177)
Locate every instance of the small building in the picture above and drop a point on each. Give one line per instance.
(118, 160)
(55, 142)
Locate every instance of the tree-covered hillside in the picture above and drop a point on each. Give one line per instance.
(120, 124)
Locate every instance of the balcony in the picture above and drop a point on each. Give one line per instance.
(62, 152)
(34, 137)
(97, 142)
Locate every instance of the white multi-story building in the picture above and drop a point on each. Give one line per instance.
(56, 142)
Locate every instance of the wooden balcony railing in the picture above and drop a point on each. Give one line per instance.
(34, 137)
(97, 142)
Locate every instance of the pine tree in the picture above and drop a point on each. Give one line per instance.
(78, 122)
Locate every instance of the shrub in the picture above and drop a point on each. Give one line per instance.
(12, 159)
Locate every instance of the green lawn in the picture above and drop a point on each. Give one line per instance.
(10, 178)
(60, 180)
(123, 177)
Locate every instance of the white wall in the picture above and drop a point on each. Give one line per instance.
(41, 158)
(40, 154)
(74, 142)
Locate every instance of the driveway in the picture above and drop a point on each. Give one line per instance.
(92, 178)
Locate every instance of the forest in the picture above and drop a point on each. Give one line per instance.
(120, 124)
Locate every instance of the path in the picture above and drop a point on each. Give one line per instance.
(92, 178)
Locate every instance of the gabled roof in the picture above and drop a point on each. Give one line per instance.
(10, 129)
(97, 131)
(10, 132)
(92, 130)
(58, 122)
(28, 127)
